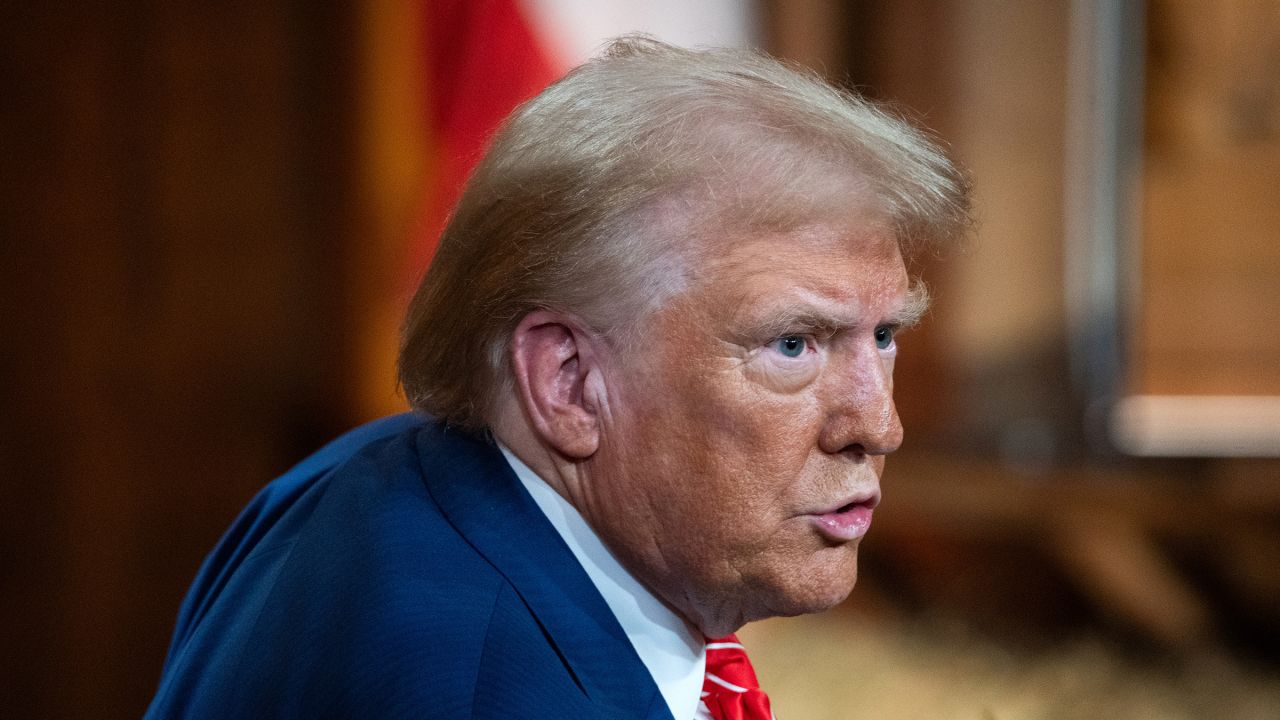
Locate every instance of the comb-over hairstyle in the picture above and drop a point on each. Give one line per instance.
(596, 197)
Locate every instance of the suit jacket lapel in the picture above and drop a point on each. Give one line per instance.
(480, 494)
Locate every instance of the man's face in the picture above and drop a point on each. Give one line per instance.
(744, 442)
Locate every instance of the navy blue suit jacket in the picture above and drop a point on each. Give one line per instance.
(401, 571)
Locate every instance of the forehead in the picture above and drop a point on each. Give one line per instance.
(841, 264)
(745, 289)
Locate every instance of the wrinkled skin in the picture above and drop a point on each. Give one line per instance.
(718, 450)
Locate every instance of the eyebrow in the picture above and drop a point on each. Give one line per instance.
(820, 322)
(915, 307)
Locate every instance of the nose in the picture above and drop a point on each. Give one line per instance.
(861, 417)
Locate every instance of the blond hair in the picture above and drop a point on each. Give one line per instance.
(592, 196)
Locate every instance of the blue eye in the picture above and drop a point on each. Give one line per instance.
(790, 345)
(884, 337)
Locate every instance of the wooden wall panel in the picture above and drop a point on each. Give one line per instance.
(173, 321)
(1208, 314)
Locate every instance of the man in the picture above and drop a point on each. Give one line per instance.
(652, 361)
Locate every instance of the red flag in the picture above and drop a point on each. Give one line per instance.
(483, 59)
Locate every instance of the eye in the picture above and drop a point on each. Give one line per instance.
(884, 337)
(790, 345)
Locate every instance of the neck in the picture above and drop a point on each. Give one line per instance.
(569, 478)
(512, 428)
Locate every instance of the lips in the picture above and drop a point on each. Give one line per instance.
(848, 521)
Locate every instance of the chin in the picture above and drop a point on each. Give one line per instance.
(815, 591)
(787, 598)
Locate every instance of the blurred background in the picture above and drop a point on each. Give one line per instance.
(215, 213)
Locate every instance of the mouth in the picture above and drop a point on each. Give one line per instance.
(848, 521)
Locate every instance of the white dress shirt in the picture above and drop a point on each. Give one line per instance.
(672, 650)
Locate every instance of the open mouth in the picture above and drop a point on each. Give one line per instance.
(846, 522)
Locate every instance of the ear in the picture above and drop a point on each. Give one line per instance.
(551, 359)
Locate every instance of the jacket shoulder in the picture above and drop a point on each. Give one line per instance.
(340, 589)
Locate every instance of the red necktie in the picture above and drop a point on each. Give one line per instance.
(730, 690)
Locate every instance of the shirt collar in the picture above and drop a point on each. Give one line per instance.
(672, 650)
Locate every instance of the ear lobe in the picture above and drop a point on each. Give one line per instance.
(550, 361)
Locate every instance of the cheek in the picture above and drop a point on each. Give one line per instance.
(732, 412)
(750, 446)
(706, 428)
